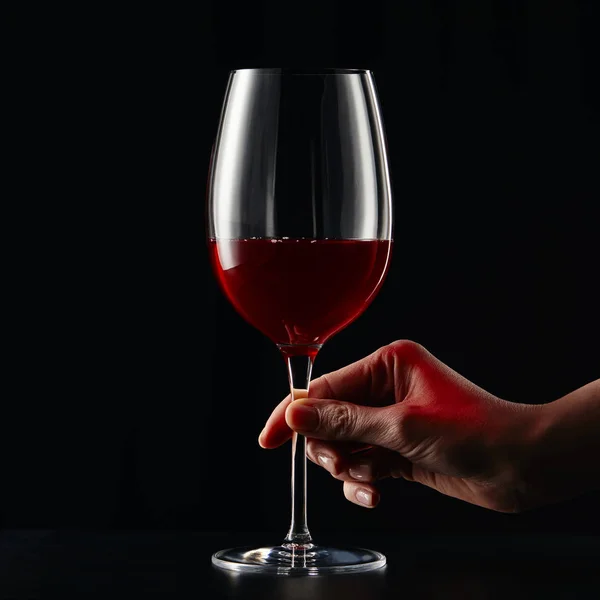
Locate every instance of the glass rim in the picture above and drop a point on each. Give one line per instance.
(301, 71)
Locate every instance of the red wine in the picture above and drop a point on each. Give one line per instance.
(300, 291)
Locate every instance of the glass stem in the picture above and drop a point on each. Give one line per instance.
(299, 371)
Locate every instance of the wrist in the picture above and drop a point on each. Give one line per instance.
(521, 454)
(535, 459)
(550, 459)
(544, 453)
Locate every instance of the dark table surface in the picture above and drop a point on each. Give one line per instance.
(165, 564)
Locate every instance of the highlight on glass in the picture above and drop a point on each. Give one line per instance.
(300, 234)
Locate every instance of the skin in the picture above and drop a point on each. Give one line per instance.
(401, 412)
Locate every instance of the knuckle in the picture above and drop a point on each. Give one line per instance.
(407, 350)
(403, 426)
(311, 449)
(339, 475)
(341, 419)
(323, 456)
(399, 358)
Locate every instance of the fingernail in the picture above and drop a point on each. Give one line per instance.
(362, 471)
(260, 437)
(326, 462)
(303, 418)
(364, 497)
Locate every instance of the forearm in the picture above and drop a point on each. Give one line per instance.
(564, 461)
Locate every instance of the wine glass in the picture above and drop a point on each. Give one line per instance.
(299, 216)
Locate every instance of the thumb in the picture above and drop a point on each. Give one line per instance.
(345, 421)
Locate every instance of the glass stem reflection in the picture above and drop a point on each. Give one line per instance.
(299, 372)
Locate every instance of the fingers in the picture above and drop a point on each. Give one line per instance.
(366, 466)
(379, 379)
(363, 494)
(276, 430)
(344, 421)
(332, 456)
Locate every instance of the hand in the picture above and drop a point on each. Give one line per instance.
(401, 412)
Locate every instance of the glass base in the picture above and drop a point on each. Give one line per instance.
(301, 560)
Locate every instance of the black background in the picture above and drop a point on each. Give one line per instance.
(140, 392)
